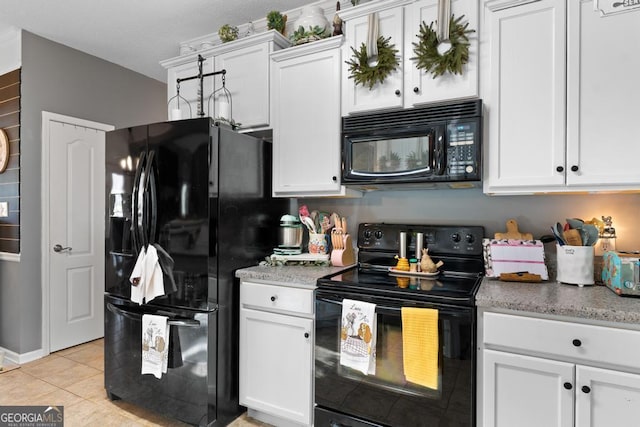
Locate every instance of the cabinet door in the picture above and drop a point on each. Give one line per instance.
(525, 100)
(606, 398)
(603, 94)
(422, 87)
(276, 368)
(526, 391)
(189, 89)
(247, 79)
(387, 94)
(306, 128)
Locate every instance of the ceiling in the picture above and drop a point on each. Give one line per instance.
(135, 34)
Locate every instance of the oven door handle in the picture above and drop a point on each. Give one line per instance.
(379, 308)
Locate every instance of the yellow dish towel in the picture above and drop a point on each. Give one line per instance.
(420, 345)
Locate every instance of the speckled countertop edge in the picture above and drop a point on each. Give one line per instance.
(553, 298)
(547, 298)
(294, 274)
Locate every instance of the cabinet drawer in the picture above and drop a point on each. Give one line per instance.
(579, 342)
(276, 297)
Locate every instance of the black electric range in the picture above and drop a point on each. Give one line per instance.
(386, 397)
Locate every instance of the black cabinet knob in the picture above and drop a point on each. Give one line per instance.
(577, 343)
(416, 89)
(574, 168)
(560, 169)
(586, 389)
(568, 386)
(306, 334)
(273, 298)
(334, 178)
(398, 92)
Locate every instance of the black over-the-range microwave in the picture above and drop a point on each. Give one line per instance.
(439, 146)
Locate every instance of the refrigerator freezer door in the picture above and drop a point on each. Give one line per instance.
(187, 390)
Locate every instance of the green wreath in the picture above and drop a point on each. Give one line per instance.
(368, 75)
(426, 50)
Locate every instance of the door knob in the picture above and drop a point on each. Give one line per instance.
(59, 248)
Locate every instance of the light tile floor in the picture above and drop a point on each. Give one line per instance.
(74, 378)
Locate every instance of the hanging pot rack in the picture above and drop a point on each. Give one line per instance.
(200, 76)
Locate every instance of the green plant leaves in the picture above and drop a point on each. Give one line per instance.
(426, 50)
(368, 75)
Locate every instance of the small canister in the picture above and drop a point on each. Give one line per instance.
(402, 245)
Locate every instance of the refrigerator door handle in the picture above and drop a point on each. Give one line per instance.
(146, 203)
(189, 323)
(153, 194)
(137, 238)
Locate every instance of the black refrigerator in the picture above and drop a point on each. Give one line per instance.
(201, 193)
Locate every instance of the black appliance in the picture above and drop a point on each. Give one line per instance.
(203, 194)
(347, 397)
(439, 146)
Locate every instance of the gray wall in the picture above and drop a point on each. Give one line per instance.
(61, 80)
(534, 214)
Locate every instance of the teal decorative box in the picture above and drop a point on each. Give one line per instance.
(621, 271)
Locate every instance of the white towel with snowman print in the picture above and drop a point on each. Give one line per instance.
(358, 336)
(155, 344)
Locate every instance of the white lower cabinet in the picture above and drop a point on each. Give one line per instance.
(276, 353)
(565, 381)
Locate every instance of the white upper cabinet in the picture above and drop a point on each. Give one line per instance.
(420, 86)
(246, 62)
(558, 97)
(388, 94)
(407, 86)
(603, 97)
(525, 93)
(305, 104)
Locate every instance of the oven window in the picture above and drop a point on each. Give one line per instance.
(403, 154)
(386, 397)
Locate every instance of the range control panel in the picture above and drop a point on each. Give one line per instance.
(439, 239)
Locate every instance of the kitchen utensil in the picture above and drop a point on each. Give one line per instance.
(575, 223)
(590, 234)
(520, 277)
(513, 232)
(558, 236)
(308, 222)
(572, 237)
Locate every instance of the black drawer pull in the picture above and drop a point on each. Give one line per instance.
(577, 343)
(273, 298)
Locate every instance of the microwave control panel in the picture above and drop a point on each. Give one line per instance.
(462, 149)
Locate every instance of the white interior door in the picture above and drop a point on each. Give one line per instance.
(75, 243)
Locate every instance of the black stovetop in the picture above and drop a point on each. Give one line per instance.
(457, 281)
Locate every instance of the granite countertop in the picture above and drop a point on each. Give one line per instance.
(294, 274)
(553, 298)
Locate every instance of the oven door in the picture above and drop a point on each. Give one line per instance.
(346, 397)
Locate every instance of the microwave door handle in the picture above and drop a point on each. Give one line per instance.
(439, 153)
